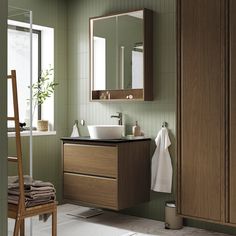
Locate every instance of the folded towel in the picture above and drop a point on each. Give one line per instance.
(29, 183)
(36, 192)
(13, 199)
(32, 195)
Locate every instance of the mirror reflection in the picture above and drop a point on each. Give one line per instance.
(117, 51)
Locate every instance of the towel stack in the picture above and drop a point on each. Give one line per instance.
(36, 192)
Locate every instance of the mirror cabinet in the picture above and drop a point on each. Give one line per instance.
(121, 56)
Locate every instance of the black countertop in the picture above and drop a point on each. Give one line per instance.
(122, 140)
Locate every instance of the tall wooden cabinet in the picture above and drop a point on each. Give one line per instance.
(207, 109)
(232, 112)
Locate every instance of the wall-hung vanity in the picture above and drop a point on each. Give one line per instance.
(112, 174)
(121, 56)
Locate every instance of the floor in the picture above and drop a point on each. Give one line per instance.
(107, 224)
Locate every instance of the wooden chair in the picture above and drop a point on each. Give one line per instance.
(19, 212)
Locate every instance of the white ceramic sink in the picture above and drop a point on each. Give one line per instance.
(105, 131)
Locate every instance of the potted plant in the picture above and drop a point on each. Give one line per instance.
(41, 90)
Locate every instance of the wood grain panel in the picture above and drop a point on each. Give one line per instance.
(202, 108)
(119, 94)
(89, 159)
(131, 185)
(98, 191)
(232, 125)
(148, 55)
(134, 173)
(146, 93)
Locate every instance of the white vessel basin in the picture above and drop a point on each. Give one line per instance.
(105, 131)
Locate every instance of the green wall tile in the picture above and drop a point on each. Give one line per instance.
(71, 22)
(149, 114)
(3, 123)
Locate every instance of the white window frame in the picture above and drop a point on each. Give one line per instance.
(47, 59)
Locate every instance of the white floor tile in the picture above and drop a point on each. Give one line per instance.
(107, 224)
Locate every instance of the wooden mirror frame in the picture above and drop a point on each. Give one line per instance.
(145, 94)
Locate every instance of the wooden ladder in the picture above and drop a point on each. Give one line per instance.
(19, 212)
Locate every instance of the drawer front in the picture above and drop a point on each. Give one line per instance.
(98, 191)
(89, 159)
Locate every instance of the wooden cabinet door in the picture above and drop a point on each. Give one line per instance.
(91, 159)
(94, 190)
(201, 108)
(232, 110)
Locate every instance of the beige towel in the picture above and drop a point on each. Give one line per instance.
(36, 192)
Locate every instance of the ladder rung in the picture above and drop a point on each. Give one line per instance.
(9, 76)
(13, 159)
(10, 118)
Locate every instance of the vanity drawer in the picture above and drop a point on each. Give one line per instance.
(98, 191)
(89, 159)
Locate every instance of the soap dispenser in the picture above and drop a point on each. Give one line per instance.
(136, 129)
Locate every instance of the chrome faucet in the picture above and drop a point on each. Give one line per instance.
(119, 116)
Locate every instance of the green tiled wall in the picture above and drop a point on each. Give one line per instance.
(150, 115)
(3, 131)
(70, 20)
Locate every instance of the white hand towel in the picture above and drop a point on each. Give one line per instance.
(161, 178)
(75, 131)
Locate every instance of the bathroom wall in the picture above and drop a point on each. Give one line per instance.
(150, 115)
(46, 149)
(3, 109)
(70, 20)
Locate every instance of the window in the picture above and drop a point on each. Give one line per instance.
(19, 60)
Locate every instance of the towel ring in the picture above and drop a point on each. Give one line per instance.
(164, 124)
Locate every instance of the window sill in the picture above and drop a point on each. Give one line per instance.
(34, 133)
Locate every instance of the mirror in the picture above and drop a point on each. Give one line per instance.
(120, 56)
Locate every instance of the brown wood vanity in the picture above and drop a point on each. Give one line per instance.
(112, 174)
